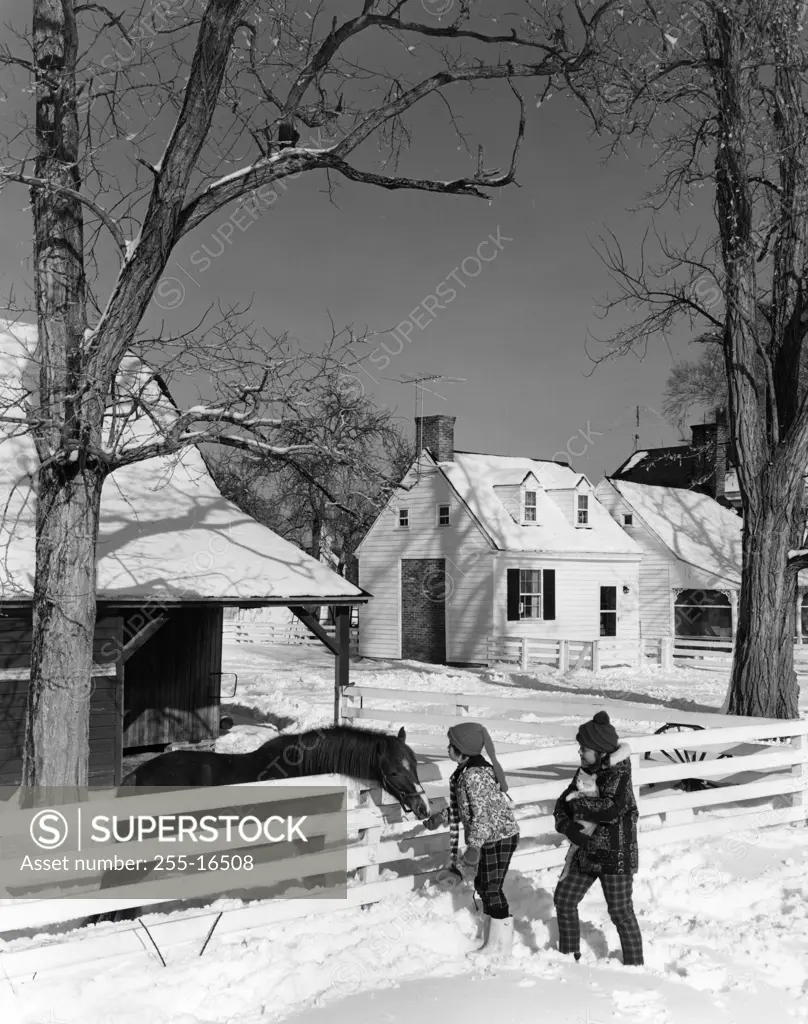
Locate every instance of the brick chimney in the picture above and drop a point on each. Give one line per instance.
(711, 441)
(437, 434)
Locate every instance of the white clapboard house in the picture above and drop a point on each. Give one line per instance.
(473, 545)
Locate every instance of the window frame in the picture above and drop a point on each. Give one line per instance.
(628, 519)
(719, 611)
(438, 516)
(607, 611)
(533, 507)
(578, 510)
(536, 596)
(405, 512)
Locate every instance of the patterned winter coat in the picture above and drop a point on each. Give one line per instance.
(476, 800)
(612, 847)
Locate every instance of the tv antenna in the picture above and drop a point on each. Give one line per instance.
(418, 385)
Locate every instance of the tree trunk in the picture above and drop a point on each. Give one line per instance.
(66, 422)
(763, 682)
(316, 537)
(57, 731)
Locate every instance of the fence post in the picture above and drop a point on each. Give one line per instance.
(563, 655)
(347, 700)
(640, 652)
(666, 655)
(595, 656)
(370, 837)
(635, 785)
(523, 654)
(799, 797)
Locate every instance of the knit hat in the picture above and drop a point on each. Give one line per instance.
(599, 734)
(470, 738)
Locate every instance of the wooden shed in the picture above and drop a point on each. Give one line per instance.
(172, 554)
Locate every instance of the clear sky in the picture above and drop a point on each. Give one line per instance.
(516, 331)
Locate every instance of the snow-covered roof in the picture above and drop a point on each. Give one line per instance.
(633, 460)
(694, 526)
(471, 476)
(166, 532)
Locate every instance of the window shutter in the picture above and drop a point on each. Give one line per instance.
(513, 595)
(548, 593)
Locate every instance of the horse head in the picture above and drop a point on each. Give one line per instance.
(398, 770)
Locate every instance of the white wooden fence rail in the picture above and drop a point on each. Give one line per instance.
(277, 633)
(709, 653)
(765, 782)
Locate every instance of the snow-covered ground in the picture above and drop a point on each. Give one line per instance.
(724, 921)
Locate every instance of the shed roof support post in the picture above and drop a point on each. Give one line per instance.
(342, 662)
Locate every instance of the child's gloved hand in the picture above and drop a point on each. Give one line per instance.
(577, 834)
(471, 858)
(449, 878)
(435, 820)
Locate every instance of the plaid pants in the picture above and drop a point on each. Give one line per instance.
(617, 889)
(495, 859)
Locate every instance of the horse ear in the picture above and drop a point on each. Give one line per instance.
(402, 733)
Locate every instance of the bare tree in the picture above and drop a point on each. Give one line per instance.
(702, 382)
(313, 500)
(231, 83)
(719, 91)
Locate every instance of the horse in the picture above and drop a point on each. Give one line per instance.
(340, 750)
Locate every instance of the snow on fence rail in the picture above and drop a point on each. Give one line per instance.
(278, 633)
(711, 653)
(751, 785)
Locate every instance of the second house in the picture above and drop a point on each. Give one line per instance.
(474, 545)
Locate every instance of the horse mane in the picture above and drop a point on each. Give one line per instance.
(338, 750)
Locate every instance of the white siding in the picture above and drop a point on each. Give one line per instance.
(578, 586)
(658, 570)
(468, 568)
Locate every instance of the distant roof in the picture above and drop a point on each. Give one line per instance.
(675, 466)
(472, 474)
(692, 525)
(166, 532)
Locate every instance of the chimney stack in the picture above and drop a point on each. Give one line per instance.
(712, 443)
(437, 434)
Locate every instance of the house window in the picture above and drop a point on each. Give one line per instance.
(608, 611)
(583, 510)
(443, 515)
(531, 594)
(403, 517)
(703, 613)
(530, 506)
(628, 519)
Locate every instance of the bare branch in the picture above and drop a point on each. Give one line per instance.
(50, 186)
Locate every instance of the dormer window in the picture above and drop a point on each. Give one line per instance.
(530, 507)
(403, 517)
(628, 519)
(583, 510)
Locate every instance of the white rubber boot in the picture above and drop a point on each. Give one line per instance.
(486, 937)
(501, 938)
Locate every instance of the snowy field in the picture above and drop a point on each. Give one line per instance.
(724, 921)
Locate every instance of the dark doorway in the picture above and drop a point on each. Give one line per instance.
(424, 589)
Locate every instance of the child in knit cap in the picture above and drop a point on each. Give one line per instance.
(477, 794)
(608, 851)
